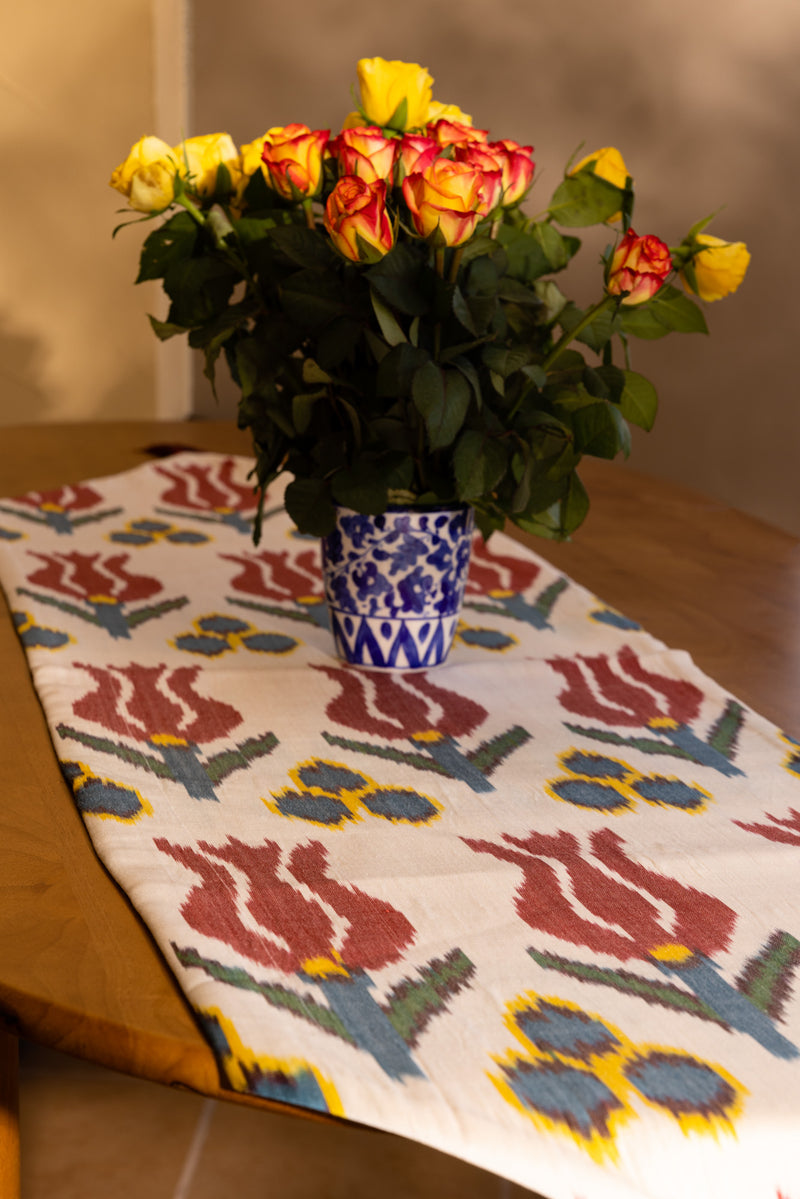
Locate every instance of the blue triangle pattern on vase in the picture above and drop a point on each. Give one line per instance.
(393, 642)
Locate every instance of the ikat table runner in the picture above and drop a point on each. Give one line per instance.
(537, 907)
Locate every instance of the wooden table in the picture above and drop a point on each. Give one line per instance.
(79, 971)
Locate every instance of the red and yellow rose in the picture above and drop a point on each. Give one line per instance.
(448, 199)
(357, 220)
(512, 160)
(638, 268)
(292, 157)
(365, 152)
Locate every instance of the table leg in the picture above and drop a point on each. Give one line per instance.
(9, 1116)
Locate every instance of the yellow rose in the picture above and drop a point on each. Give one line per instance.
(719, 267)
(385, 86)
(607, 164)
(446, 112)
(199, 158)
(147, 176)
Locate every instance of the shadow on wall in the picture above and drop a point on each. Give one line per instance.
(23, 397)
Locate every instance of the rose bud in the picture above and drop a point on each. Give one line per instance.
(510, 159)
(292, 155)
(147, 176)
(450, 112)
(364, 152)
(415, 154)
(638, 267)
(446, 201)
(394, 94)
(446, 132)
(357, 220)
(199, 157)
(607, 164)
(718, 267)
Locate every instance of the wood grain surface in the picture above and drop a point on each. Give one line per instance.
(79, 971)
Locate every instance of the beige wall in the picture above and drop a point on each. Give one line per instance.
(77, 87)
(700, 95)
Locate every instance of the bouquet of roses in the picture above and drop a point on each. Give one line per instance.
(392, 316)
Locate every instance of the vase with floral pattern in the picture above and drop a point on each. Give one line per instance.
(394, 584)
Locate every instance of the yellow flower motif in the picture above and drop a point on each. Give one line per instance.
(385, 85)
(147, 176)
(719, 267)
(199, 157)
(607, 164)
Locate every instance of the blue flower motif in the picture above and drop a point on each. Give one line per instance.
(415, 589)
(359, 529)
(407, 553)
(369, 581)
(340, 595)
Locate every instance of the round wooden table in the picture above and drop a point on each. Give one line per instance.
(79, 971)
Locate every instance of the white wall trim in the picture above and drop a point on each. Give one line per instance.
(171, 53)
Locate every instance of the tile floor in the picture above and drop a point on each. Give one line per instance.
(89, 1133)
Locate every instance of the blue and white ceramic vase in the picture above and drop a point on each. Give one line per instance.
(394, 584)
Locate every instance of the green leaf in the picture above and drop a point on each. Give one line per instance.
(397, 121)
(442, 398)
(558, 248)
(462, 312)
(389, 325)
(362, 487)
(303, 409)
(397, 369)
(313, 298)
(164, 329)
(574, 507)
(171, 243)
(677, 311)
(470, 374)
(585, 199)
(527, 259)
(596, 431)
(504, 362)
(306, 247)
(479, 463)
(638, 402)
(614, 380)
(553, 299)
(597, 334)
(199, 289)
(251, 229)
(352, 416)
(668, 311)
(398, 279)
(313, 373)
(535, 374)
(309, 504)
(511, 289)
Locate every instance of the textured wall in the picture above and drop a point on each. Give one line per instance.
(702, 99)
(76, 90)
